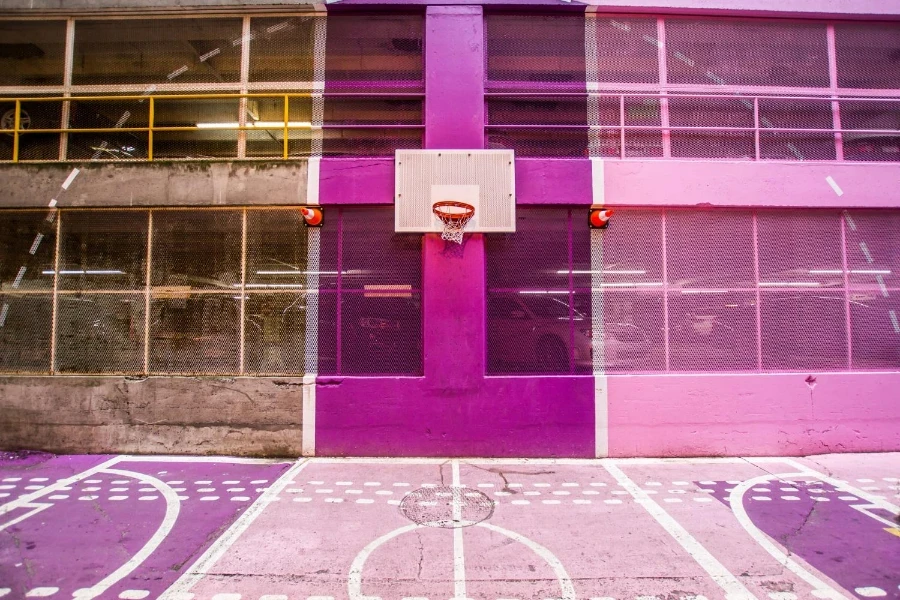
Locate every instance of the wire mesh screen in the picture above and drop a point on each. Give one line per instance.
(745, 52)
(796, 114)
(103, 250)
(32, 115)
(32, 52)
(535, 49)
(374, 307)
(25, 328)
(867, 55)
(154, 51)
(100, 333)
(194, 334)
(197, 249)
(274, 334)
(27, 240)
(626, 49)
(713, 113)
(282, 49)
(863, 115)
(539, 301)
(628, 282)
(374, 52)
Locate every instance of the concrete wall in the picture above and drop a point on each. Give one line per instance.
(156, 184)
(157, 415)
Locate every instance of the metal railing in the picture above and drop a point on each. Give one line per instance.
(667, 110)
(243, 121)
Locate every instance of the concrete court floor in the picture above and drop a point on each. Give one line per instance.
(210, 528)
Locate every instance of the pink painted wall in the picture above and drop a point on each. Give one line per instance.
(771, 184)
(750, 415)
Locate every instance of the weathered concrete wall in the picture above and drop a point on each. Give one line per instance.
(156, 184)
(157, 415)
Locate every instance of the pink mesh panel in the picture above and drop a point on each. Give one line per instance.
(374, 52)
(535, 50)
(746, 52)
(867, 55)
(372, 306)
(795, 114)
(633, 330)
(873, 250)
(803, 329)
(627, 50)
(709, 249)
(800, 249)
(712, 331)
(711, 112)
(876, 330)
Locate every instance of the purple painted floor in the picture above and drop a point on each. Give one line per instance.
(182, 528)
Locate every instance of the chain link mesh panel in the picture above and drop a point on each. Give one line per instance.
(803, 330)
(712, 331)
(709, 249)
(32, 52)
(211, 140)
(800, 249)
(875, 330)
(20, 233)
(153, 51)
(873, 249)
(374, 52)
(103, 250)
(196, 249)
(370, 311)
(535, 50)
(627, 281)
(108, 114)
(798, 114)
(276, 250)
(642, 112)
(275, 334)
(100, 333)
(282, 48)
(194, 334)
(711, 112)
(32, 115)
(539, 303)
(871, 115)
(25, 329)
(626, 49)
(867, 55)
(745, 52)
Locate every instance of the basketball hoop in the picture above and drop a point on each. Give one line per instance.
(455, 216)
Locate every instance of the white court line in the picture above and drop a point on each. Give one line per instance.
(736, 499)
(173, 507)
(734, 589)
(459, 557)
(22, 501)
(199, 569)
(205, 459)
(841, 486)
(565, 582)
(354, 580)
(36, 509)
(532, 461)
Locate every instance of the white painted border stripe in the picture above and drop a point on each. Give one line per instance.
(601, 415)
(309, 416)
(598, 180)
(313, 171)
(70, 178)
(734, 589)
(201, 567)
(459, 556)
(535, 461)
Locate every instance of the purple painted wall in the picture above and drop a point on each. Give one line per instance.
(454, 409)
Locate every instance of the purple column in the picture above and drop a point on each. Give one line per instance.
(454, 276)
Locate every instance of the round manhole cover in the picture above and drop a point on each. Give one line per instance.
(446, 506)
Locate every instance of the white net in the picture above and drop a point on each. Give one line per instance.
(455, 218)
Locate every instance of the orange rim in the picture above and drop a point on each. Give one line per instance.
(443, 215)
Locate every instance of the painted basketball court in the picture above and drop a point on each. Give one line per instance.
(632, 529)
